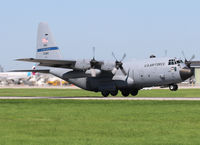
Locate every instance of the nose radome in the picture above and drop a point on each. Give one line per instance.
(185, 73)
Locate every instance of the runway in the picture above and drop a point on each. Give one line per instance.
(107, 98)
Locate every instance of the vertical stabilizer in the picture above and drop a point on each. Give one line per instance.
(46, 46)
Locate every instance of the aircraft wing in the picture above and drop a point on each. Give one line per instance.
(51, 62)
(32, 70)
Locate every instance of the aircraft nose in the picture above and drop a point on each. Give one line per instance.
(185, 73)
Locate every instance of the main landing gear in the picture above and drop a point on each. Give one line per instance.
(134, 92)
(106, 93)
(173, 87)
(125, 93)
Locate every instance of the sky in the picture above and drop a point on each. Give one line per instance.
(138, 28)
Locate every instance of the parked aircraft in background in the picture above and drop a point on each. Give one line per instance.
(15, 77)
(109, 77)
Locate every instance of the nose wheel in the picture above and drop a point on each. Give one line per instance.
(173, 87)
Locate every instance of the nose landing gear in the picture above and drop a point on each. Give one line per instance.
(173, 87)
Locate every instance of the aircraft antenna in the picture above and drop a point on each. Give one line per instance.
(93, 49)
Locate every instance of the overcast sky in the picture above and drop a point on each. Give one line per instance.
(135, 27)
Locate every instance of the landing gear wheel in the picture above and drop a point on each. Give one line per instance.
(173, 87)
(114, 93)
(134, 92)
(105, 93)
(125, 93)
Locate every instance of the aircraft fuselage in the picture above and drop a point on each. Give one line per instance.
(143, 73)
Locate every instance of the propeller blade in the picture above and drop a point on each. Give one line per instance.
(193, 56)
(165, 53)
(114, 56)
(123, 57)
(123, 71)
(184, 56)
(127, 75)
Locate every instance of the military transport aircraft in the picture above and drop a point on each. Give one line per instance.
(108, 77)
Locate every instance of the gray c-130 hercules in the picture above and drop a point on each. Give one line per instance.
(108, 77)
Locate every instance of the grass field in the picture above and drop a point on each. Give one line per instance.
(82, 93)
(61, 122)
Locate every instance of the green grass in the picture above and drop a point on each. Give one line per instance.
(81, 93)
(61, 122)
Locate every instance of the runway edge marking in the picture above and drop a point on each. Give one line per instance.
(108, 98)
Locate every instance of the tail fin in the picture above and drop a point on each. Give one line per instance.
(46, 46)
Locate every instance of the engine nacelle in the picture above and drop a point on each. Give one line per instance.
(96, 71)
(108, 66)
(82, 64)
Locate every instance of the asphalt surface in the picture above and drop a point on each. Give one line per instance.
(105, 98)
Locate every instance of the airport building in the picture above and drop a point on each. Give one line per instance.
(196, 78)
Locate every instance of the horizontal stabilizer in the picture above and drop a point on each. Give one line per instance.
(51, 62)
(32, 70)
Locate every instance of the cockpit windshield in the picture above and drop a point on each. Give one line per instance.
(179, 61)
(174, 61)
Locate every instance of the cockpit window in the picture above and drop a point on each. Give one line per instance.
(179, 61)
(172, 62)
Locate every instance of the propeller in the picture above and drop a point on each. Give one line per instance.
(119, 64)
(193, 56)
(93, 64)
(165, 52)
(187, 62)
(127, 75)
